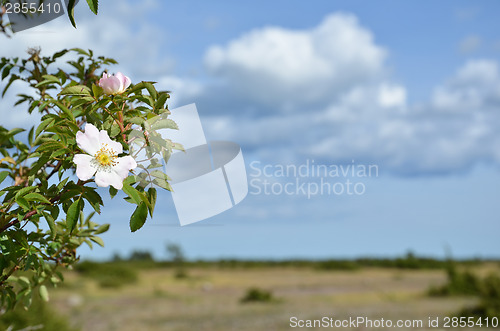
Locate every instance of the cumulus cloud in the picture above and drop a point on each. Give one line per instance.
(474, 88)
(298, 66)
(325, 93)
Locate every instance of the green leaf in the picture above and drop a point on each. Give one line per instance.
(36, 197)
(52, 224)
(164, 123)
(48, 79)
(24, 191)
(162, 98)
(76, 90)
(112, 192)
(103, 228)
(50, 145)
(43, 125)
(6, 70)
(152, 194)
(23, 203)
(44, 294)
(72, 215)
(71, 12)
(3, 175)
(139, 216)
(65, 110)
(163, 184)
(94, 199)
(115, 129)
(15, 131)
(132, 193)
(24, 281)
(97, 90)
(98, 241)
(93, 4)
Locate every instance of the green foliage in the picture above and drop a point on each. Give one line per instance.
(140, 256)
(39, 317)
(256, 294)
(176, 255)
(459, 283)
(489, 305)
(487, 289)
(113, 275)
(39, 187)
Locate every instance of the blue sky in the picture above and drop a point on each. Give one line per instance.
(412, 87)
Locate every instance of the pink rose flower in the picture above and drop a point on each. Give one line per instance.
(116, 84)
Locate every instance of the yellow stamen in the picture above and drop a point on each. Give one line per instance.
(106, 156)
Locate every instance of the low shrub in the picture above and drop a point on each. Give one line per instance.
(108, 274)
(255, 294)
(40, 316)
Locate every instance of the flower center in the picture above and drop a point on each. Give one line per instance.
(105, 157)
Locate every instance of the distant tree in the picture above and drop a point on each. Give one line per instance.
(140, 256)
(176, 255)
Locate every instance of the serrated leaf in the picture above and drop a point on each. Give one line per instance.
(48, 79)
(164, 123)
(36, 197)
(76, 90)
(22, 203)
(112, 192)
(97, 90)
(65, 109)
(25, 190)
(152, 194)
(52, 224)
(139, 216)
(98, 241)
(103, 228)
(71, 12)
(72, 215)
(93, 5)
(162, 98)
(163, 184)
(3, 175)
(132, 193)
(43, 125)
(44, 294)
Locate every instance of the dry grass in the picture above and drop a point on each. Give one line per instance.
(210, 298)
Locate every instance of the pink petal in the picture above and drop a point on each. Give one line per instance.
(114, 145)
(84, 168)
(88, 141)
(110, 85)
(125, 81)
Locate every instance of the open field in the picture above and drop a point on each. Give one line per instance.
(209, 298)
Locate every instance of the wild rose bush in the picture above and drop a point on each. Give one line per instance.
(50, 172)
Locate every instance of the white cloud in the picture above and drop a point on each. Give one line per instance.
(475, 86)
(181, 88)
(365, 116)
(299, 66)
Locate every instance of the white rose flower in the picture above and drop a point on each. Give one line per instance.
(102, 159)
